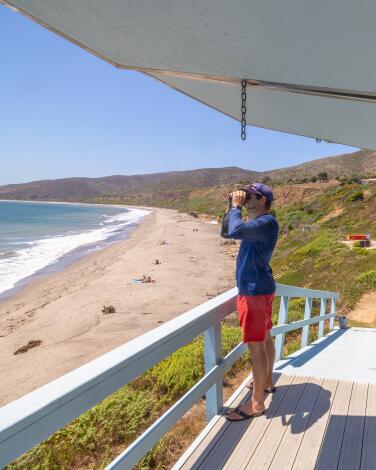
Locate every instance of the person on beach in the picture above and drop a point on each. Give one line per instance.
(256, 288)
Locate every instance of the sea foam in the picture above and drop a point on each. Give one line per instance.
(44, 252)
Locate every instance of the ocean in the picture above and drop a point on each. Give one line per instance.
(37, 238)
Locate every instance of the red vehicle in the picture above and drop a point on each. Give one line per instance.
(358, 237)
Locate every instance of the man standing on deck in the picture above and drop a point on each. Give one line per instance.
(256, 289)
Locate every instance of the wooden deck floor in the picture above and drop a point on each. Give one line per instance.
(311, 423)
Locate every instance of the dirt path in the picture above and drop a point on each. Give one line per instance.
(365, 310)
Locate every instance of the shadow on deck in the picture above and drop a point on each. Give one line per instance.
(310, 423)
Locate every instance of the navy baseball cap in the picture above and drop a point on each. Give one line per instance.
(262, 189)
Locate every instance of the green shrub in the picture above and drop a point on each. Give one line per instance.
(292, 346)
(368, 278)
(118, 419)
(361, 251)
(323, 176)
(177, 373)
(312, 249)
(296, 309)
(357, 196)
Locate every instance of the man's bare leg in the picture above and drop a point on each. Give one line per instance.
(270, 353)
(260, 368)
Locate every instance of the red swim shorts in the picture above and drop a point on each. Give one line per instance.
(255, 316)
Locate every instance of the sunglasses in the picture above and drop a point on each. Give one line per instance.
(248, 198)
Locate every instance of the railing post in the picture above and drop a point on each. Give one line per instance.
(332, 310)
(282, 317)
(307, 315)
(213, 356)
(322, 312)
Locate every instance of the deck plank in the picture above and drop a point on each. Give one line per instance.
(289, 445)
(332, 439)
(369, 448)
(222, 437)
(352, 443)
(311, 424)
(248, 432)
(310, 445)
(269, 442)
(210, 441)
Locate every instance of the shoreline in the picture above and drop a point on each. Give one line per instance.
(63, 309)
(40, 277)
(65, 260)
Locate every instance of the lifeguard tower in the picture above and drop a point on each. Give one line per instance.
(302, 67)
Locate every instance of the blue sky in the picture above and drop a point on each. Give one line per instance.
(64, 112)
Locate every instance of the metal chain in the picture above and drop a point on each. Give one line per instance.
(244, 110)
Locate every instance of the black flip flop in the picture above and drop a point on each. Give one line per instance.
(266, 390)
(243, 415)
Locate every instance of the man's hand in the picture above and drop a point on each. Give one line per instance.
(238, 198)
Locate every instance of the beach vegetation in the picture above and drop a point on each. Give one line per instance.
(323, 176)
(357, 196)
(97, 437)
(368, 279)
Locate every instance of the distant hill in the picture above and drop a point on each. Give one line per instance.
(361, 163)
(176, 184)
(80, 189)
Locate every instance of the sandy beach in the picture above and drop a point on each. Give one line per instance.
(64, 310)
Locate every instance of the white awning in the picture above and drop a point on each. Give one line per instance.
(309, 64)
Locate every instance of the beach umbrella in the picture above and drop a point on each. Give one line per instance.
(307, 67)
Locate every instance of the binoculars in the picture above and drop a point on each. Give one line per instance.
(247, 195)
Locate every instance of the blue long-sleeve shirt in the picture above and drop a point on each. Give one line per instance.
(258, 237)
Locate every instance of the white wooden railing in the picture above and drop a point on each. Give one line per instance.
(29, 420)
